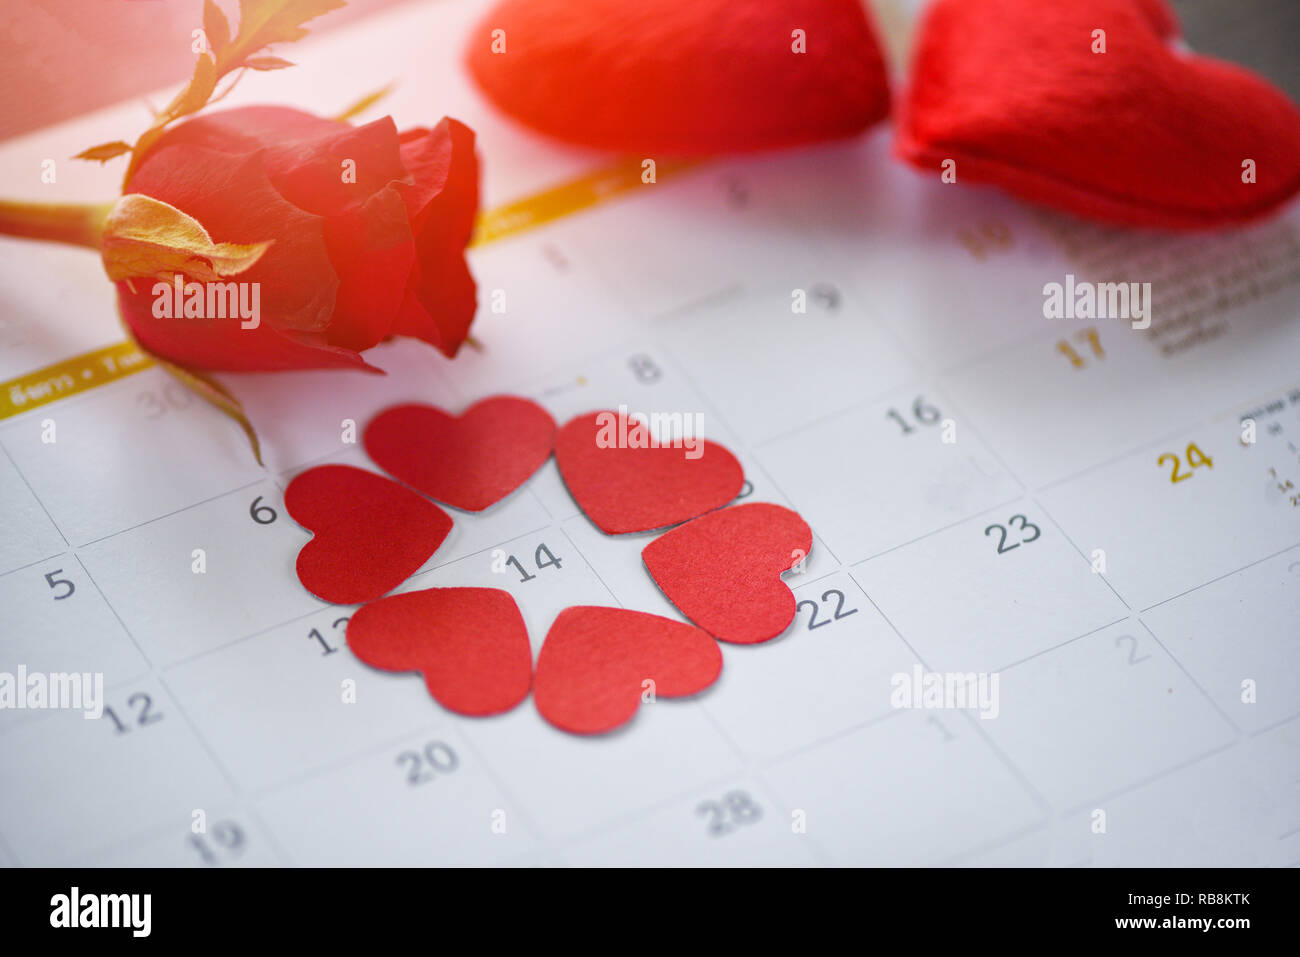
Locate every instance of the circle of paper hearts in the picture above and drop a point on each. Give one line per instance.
(719, 563)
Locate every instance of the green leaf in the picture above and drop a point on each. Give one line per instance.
(365, 103)
(195, 96)
(104, 151)
(216, 26)
(263, 22)
(266, 63)
(145, 237)
(210, 390)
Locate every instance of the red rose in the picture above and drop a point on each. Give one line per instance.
(360, 251)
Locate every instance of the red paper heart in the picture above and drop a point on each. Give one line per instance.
(469, 462)
(723, 570)
(625, 489)
(1142, 134)
(695, 76)
(594, 662)
(370, 534)
(470, 644)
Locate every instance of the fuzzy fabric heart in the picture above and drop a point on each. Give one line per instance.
(623, 483)
(595, 662)
(470, 644)
(1142, 134)
(723, 570)
(370, 534)
(470, 462)
(685, 77)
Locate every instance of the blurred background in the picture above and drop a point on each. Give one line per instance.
(61, 58)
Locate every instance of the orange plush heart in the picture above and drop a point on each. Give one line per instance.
(723, 570)
(1019, 93)
(470, 644)
(626, 481)
(470, 462)
(370, 534)
(598, 663)
(691, 76)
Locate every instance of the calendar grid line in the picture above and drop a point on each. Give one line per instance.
(35, 497)
(1236, 729)
(259, 794)
(1219, 578)
(109, 605)
(1082, 555)
(709, 300)
(40, 561)
(586, 561)
(172, 514)
(945, 528)
(980, 850)
(1127, 453)
(631, 817)
(1275, 725)
(1021, 778)
(285, 858)
(217, 763)
(520, 807)
(1147, 780)
(837, 413)
(226, 646)
(1069, 641)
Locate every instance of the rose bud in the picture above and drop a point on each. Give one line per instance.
(353, 235)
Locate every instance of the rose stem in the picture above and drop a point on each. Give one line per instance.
(72, 223)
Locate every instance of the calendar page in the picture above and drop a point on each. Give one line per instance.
(1049, 617)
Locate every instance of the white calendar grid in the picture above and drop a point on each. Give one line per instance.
(1119, 691)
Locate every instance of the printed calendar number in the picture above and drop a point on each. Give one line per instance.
(1131, 643)
(68, 586)
(542, 558)
(316, 636)
(173, 396)
(1005, 531)
(139, 713)
(734, 810)
(1089, 341)
(262, 514)
(922, 414)
(1195, 459)
(986, 238)
(645, 369)
(224, 843)
(826, 295)
(435, 760)
(839, 612)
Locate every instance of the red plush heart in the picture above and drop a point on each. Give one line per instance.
(723, 570)
(1142, 134)
(694, 76)
(470, 644)
(469, 462)
(592, 669)
(626, 489)
(370, 534)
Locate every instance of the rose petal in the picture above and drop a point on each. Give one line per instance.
(442, 203)
(233, 199)
(221, 344)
